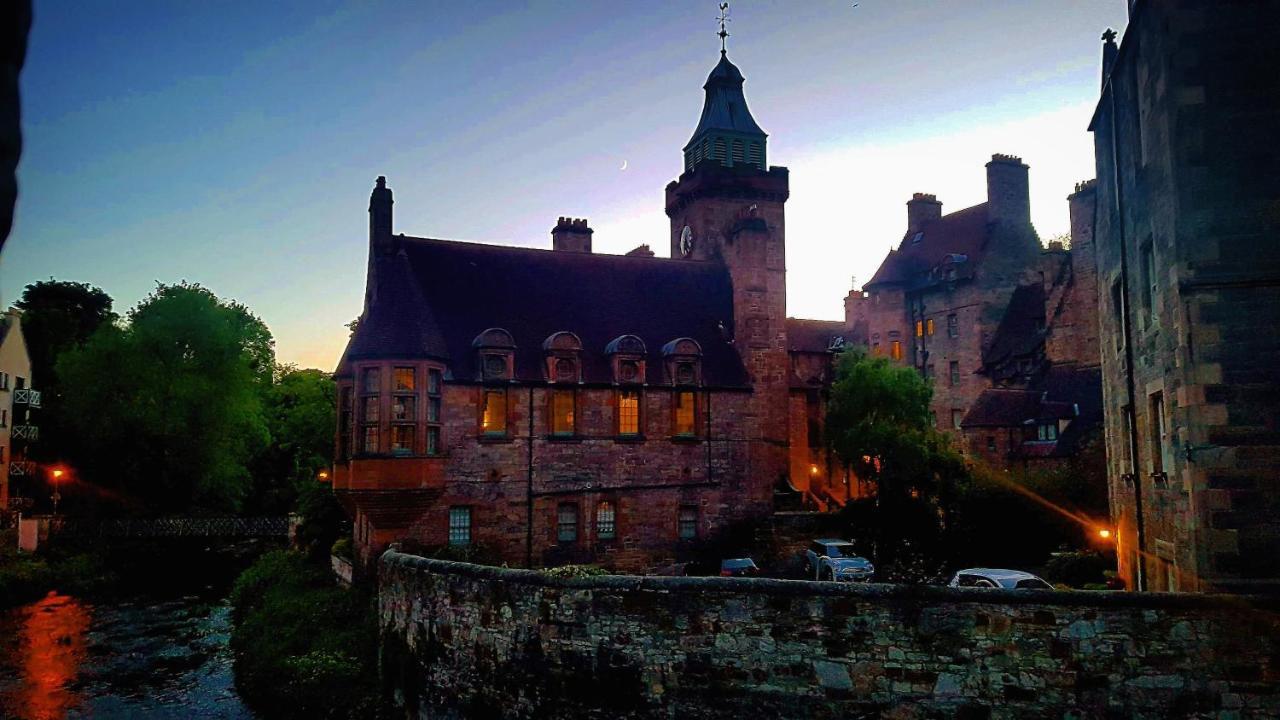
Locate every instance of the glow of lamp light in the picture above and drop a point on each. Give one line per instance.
(57, 474)
(813, 469)
(1104, 534)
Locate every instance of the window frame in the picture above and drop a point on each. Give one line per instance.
(953, 373)
(483, 418)
(953, 325)
(619, 397)
(607, 520)
(434, 420)
(687, 519)
(676, 408)
(454, 530)
(1159, 430)
(572, 524)
(553, 419)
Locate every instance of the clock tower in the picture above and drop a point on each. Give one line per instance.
(727, 207)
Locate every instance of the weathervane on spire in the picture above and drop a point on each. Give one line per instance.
(724, 18)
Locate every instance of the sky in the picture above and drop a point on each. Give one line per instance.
(234, 144)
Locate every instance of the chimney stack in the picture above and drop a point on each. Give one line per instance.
(922, 209)
(571, 235)
(380, 203)
(1008, 193)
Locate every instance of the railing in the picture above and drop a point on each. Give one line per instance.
(173, 527)
(30, 433)
(22, 468)
(27, 396)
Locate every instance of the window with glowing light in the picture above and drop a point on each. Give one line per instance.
(685, 414)
(402, 439)
(928, 326)
(493, 415)
(628, 412)
(895, 349)
(405, 379)
(606, 517)
(562, 412)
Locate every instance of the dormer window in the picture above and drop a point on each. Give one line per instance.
(683, 358)
(626, 358)
(495, 354)
(563, 357)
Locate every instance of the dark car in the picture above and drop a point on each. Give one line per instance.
(739, 567)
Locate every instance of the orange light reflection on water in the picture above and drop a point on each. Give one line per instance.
(52, 637)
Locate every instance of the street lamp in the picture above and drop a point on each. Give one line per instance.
(1105, 534)
(57, 475)
(323, 475)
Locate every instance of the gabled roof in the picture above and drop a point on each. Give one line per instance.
(725, 106)
(955, 241)
(437, 296)
(1064, 392)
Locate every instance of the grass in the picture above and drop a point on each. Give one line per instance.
(303, 647)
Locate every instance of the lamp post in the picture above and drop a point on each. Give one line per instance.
(57, 475)
(323, 476)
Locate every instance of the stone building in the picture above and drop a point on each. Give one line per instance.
(1188, 242)
(1005, 328)
(567, 406)
(16, 400)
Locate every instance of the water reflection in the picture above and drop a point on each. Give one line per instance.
(62, 657)
(52, 647)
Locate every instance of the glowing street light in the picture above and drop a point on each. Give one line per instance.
(57, 475)
(1104, 533)
(323, 475)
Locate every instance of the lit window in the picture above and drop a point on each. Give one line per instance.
(606, 526)
(688, 522)
(628, 412)
(402, 439)
(1047, 431)
(895, 349)
(956, 417)
(954, 368)
(459, 526)
(493, 418)
(402, 408)
(953, 326)
(562, 412)
(919, 328)
(928, 326)
(372, 380)
(684, 413)
(405, 379)
(567, 523)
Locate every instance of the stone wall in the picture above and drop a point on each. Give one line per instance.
(471, 641)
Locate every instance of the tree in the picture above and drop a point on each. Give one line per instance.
(169, 406)
(300, 419)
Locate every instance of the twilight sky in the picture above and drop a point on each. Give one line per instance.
(235, 144)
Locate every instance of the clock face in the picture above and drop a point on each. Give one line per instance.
(686, 241)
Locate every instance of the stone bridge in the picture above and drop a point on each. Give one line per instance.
(36, 531)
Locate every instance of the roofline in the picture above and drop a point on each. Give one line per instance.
(1135, 10)
(684, 262)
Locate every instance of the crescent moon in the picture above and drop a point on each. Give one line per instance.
(624, 165)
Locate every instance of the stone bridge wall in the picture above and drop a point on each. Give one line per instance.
(463, 640)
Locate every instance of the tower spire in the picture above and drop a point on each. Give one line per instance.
(724, 18)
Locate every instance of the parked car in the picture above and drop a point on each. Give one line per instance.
(998, 578)
(833, 559)
(739, 567)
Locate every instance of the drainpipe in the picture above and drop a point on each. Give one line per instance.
(708, 434)
(528, 492)
(1127, 334)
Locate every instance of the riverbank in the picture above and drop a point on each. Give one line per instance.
(25, 577)
(304, 647)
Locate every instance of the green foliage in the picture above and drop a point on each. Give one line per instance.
(303, 647)
(323, 519)
(169, 406)
(300, 418)
(343, 548)
(1079, 569)
(25, 577)
(569, 572)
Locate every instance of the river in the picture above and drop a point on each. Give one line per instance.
(63, 657)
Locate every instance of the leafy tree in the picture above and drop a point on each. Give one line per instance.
(169, 406)
(58, 316)
(300, 419)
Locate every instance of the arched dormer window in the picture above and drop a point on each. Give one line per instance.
(626, 358)
(563, 357)
(683, 360)
(495, 355)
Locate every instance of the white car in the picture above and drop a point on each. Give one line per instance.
(832, 559)
(999, 579)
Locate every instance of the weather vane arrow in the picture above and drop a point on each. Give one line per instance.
(724, 18)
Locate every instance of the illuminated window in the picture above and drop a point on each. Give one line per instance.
(875, 349)
(459, 526)
(953, 326)
(606, 527)
(628, 412)
(919, 328)
(493, 417)
(685, 415)
(954, 367)
(403, 408)
(688, 522)
(928, 326)
(405, 379)
(567, 523)
(372, 380)
(370, 444)
(895, 349)
(1047, 431)
(402, 439)
(562, 420)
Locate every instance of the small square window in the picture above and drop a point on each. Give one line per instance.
(459, 526)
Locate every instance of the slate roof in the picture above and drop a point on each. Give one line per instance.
(957, 240)
(435, 296)
(725, 106)
(814, 335)
(1020, 333)
(1065, 391)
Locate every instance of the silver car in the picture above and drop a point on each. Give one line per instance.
(999, 579)
(833, 559)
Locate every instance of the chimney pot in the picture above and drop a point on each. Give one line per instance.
(922, 209)
(571, 235)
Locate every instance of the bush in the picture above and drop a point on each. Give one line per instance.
(566, 572)
(1078, 569)
(303, 647)
(343, 548)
